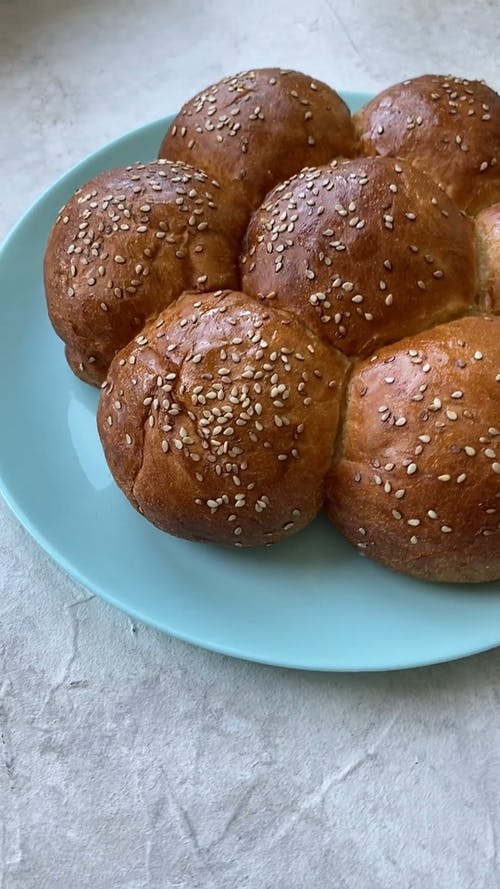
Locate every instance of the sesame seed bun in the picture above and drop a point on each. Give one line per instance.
(127, 244)
(447, 126)
(218, 422)
(233, 417)
(364, 251)
(416, 481)
(259, 127)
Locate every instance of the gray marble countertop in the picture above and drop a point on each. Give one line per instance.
(131, 760)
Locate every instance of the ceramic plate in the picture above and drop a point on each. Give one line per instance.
(310, 602)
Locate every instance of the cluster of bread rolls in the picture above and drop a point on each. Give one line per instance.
(293, 309)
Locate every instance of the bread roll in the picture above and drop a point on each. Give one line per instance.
(233, 417)
(218, 422)
(127, 244)
(364, 251)
(259, 127)
(416, 482)
(447, 126)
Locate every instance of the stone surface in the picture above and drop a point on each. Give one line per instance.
(131, 760)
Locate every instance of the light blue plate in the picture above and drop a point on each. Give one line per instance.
(310, 602)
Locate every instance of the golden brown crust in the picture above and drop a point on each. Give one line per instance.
(127, 244)
(86, 366)
(219, 420)
(416, 483)
(448, 127)
(259, 127)
(488, 254)
(365, 251)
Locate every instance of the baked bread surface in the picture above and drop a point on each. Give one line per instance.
(258, 127)
(365, 251)
(447, 126)
(416, 479)
(128, 243)
(219, 420)
(277, 325)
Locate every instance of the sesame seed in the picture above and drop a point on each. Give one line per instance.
(411, 468)
(496, 467)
